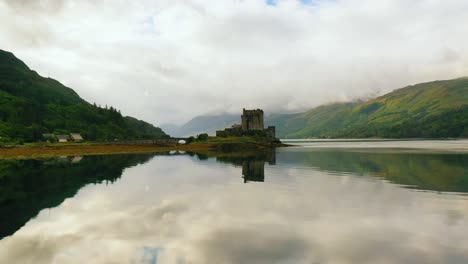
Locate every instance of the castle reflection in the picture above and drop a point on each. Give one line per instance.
(253, 163)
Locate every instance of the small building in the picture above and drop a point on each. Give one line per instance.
(62, 138)
(76, 137)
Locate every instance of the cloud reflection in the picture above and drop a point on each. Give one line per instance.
(199, 212)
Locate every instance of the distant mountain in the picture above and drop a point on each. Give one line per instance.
(429, 110)
(171, 129)
(203, 124)
(436, 109)
(31, 105)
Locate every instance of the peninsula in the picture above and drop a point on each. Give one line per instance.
(211, 144)
(40, 117)
(251, 135)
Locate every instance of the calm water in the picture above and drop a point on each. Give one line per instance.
(321, 202)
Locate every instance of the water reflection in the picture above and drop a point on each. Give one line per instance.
(253, 162)
(442, 172)
(28, 186)
(313, 206)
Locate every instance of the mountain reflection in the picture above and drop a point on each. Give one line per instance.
(316, 206)
(442, 172)
(28, 186)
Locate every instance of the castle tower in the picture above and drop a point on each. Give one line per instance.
(252, 120)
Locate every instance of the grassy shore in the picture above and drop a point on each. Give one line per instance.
(81, 149)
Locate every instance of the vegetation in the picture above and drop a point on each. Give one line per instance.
(202, 137)
(31, 105)
(40, 150)
(429, 110)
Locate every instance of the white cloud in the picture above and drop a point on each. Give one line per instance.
(166, 61)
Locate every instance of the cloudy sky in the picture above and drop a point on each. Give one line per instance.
(169, 60)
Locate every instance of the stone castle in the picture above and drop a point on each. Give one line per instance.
(252, 125)
(252, 119)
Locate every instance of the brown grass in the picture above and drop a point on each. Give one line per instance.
(80, 150)
(25, 152)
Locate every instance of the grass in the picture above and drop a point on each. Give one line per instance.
(37, 150)
(89, 149)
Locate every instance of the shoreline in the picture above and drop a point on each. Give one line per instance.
(49, 151)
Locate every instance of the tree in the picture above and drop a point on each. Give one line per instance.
(202, 137)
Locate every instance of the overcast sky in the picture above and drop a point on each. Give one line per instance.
(169, 60)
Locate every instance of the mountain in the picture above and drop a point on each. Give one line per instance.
(31, 105)
(436, 109)
(203, 124)
(323, 118)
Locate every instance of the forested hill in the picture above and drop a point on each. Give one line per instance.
(31, 105)
(429, 110)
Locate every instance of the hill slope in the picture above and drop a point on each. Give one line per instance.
(203, 124)
(430, 110)
(31, 105)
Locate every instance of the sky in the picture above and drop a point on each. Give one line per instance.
(166, 61)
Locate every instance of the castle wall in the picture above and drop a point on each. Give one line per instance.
(271, 132)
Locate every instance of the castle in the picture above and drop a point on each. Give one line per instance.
(252, 119)
(252, 125)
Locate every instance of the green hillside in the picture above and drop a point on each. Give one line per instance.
(429, 110)
(31, 105)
